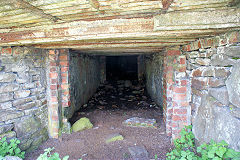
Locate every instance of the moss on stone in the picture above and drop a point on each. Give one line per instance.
(82, 124)
(115, 137)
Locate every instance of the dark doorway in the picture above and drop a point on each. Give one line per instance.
(121, 68)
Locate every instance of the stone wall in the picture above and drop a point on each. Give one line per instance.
(154, 77)
(85, 78)
(168, 85)
(213, 66)
(23, 103)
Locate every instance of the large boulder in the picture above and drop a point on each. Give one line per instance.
(82, 124)
(214, 122)
(27, 125)
(233, 86)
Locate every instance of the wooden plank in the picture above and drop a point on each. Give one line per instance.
(32, 9)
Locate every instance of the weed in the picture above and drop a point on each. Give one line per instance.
(10, 149)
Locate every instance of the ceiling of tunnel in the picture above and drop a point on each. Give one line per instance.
(114, 26)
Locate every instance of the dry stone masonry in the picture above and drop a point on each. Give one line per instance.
(23, 103)
(213, 66)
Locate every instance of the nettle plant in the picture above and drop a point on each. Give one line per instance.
(10, 149)
(185, 149)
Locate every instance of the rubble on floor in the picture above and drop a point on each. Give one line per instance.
(114, 137)
(140, 122)
(82, 124)
(120, 95)
(138, 153)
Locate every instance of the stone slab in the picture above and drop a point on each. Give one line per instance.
(138, 153)
(140, 122)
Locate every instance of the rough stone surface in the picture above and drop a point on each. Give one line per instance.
(235, 112)
(213, 122)
(233, 86)
(7, 115)
(8, 135)
(27, 125)
(203, 61)
(5, 128)
(12, 158)
(221, 94)
(21, 94)
(216, 91)
(233, 51)
(8, 88)
(82, 124)
(138, 153)
(114, 137)
(26, 106)
(140, 122)
(7, 77)
(84, 80)
(4, 97)
(221, 60)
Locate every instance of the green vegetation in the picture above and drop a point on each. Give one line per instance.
(48, 156)
(185, 149)
(10, 149)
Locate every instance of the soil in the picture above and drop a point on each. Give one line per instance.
(112, 104)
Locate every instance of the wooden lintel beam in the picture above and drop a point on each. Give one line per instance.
(34, 10)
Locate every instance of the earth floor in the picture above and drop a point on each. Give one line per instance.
(112, 104)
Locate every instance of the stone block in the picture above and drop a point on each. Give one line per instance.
(26, 106)
(8, 115)
(207, 53)
(221, 72)
(7, 77)
(221, 94)
(203, 61)
(20, 67)
(26, 142)
(8, 135)
(21, 94)
(5, 105)
(193, 54)
(200, 83)
(31, 111)
(5, 128)
(23, 100)
(9, 88)
(4, 97)
(233, 85)
(222, 60)
(138, 153)
(27, 125)
(23, 77)
(114, 137)
(233, 51)
(235, 112)
(217, 123)
(216, 82)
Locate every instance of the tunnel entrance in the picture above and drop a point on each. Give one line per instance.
(120, 105)
(121, 68)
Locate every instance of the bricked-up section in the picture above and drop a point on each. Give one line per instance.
(58, 88)
(23, 102)
(176, 95)
(213, 65)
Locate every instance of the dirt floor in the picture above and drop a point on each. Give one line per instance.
(112, 104)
